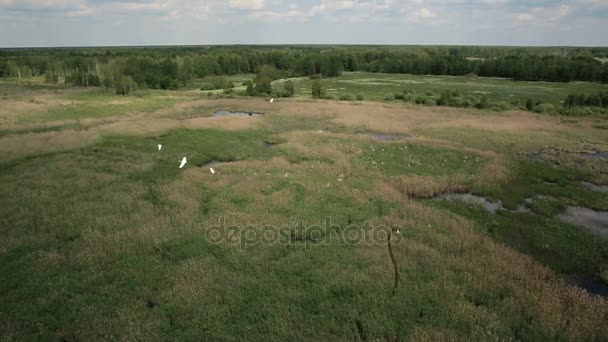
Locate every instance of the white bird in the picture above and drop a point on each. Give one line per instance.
(271, 100)
(160, 147)
(212, 170)
(184, 161)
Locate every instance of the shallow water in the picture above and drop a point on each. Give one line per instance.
(386, 136)
(595, 187)
(231, 113)
(213, 163)
(595, 221)
(599, 155)
(591, 285)
(489, 206)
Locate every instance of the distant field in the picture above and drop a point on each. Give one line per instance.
(376, 86)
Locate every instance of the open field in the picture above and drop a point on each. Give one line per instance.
(313, 226)
(376, 86)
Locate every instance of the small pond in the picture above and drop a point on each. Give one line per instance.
(590, 284)
(489, 206)
(386, 136)
(593, 220)
(595, 187)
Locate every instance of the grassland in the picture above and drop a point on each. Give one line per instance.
(377, 86)
(102, 236)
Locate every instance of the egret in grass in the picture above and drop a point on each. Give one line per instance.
(184, 161)
(212, 170)
(160, 147)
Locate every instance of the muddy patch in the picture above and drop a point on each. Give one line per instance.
(489, 206)
(225, 113)
(595, 187)
(594, 221)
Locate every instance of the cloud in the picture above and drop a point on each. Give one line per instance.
(334, 21)
(524, 17)
(247, 4)
(425, 13)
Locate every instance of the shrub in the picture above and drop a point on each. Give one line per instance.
(530, 104)
(360, 97)
(483, 103)
(347, 97)
(318, 91)
(546, 108)
(389, 98)
(290, 89)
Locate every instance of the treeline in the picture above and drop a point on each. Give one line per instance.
(169, 68)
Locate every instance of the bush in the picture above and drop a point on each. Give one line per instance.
(546, 108)
(318, 92)
(530, 104)
(389, 98)
(290, 89)
(360, 97)
(125, 85)
(483, 103)
(419, 99)
(347, 97)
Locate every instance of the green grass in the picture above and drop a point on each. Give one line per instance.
(546, 190)
(114, 242)
(96, 104)
(376, 86)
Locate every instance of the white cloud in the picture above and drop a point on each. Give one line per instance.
(425, 13)
(247, 4)
(524, 17)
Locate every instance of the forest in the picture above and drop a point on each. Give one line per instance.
(171, 67)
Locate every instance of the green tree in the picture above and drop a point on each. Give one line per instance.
(125, 85)
(263, 86)
(250, 88)
(530, 104)
(290, 89)
(318, 92)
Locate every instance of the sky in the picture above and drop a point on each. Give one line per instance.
(28, 23)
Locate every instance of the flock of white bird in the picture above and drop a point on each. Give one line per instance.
(184, 160)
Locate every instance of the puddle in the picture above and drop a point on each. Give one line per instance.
(213, 163)
(238, 114)
(595, 187)
(386, 136)
(596, 155)
(595, 221)
(591, 285)
(491, 207)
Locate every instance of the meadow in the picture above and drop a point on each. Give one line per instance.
(377, 86)
(314, 220)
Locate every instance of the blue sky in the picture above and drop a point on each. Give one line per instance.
(175, 22)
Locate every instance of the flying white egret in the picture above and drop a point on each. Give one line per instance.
(184, 161)
(160, 147)
(212, 170)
